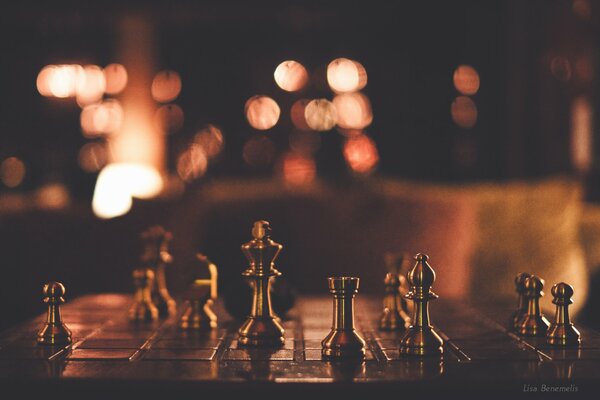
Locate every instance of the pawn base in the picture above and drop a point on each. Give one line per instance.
(261, 332)
(533, 325)
(421, 342)
(565, 335)
(54, 335)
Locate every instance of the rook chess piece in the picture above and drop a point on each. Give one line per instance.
(156, 256)
(261, 328)
(533, 322)
(421, 339)
(562, 332)
(54, 331)
(201, 297)
(343, 341)
(143, 309)
(521, 310)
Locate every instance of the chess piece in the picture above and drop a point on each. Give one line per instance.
(522, 303)
(420, 339)
(562, 332)
(54, 331)
(143, 309)
(533, 322)
(343, 341)
(156, 256)
(261, 328)
(395, 315)
(201, 297)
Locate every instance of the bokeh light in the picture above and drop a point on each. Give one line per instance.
(63, 80)
(344, 75)
(297, 114)
(166, 86)
(43, 80)
(52, 196)
(169, 118)
(291, 76)
(90, 85)
(192, 163)
(262, 112)
(210, 139)
(115, 76)
(298, 169)
(320, 115)
(353, 110)
(464, 112)
(361, 154)
(92, 157)
(101, 118)
(466, 80)
(12, 172)
(258, 151)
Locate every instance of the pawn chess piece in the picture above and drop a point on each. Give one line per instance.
(420, 339)
(201, 297)
(54, 331)
(156, 256)
(533, 322)
(562, 332)
(261, 327)
(521, 310)
(343, 342)
(143, 309)
(393, 317)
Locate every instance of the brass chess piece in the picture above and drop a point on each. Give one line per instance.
(143, 309)
(421, 339)
(394, 316)
(343, 341)
(201, 296)
(522, 302)
(261, 328)
(156, 256)
(533, 322)
(54, 331)
(562, 332)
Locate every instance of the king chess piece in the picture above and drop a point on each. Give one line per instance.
(261, 328)
(156, 256)
(143, 309)
(201, 296)
(54, 331)
(562, 332)
(533, 322)
(521, 310)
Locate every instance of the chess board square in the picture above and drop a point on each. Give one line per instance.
(102, 354)
(312, 344)
(288, 345)
(315, 355)
(176, 333)
(314, 334)
(388, 343)
(30, 353)
(259, 355)
(187, 343)
(112, 344)
(181, 354)
(124, 335)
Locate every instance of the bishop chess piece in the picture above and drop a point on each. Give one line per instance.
(343, 342)
(156, 256)
(533, 322)
(562, 332)
(201, 296)
(521, 310)
(420, 339)
(143, 309)
(395, 315)
(261, 328)
(54, 331)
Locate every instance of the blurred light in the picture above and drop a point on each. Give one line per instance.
(361, 154)
(92, 157)
(169, 118)
(298, 169)
(258, 151)
(353, 110)
(466, 80)
(561, 68)
(166, 86)
(582, 8)
(262, 112)
(115, 76)
(307, 143)
(584, 69)
(105, 117)
(12, 172)
(62, 82)
(90, 85)
(297, 114)
(581, 134)
(320, 115)
(291, 76)
(52, 196)
(210, 139)
(344, 75)
(192, 163)
(43, 80)
(464, 112)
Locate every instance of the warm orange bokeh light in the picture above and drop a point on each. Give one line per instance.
(166, 86)
(92, 157)
(52, 196)
(298, 169)
(258, 151)
(43, 80)
(344, 75)
(582, 133)
(115, 76)
(297, 114)
(101, 118)
(63, 80)
(291, 76)
(464, 112)
(262, 112)
(169, 118)
(466, 80)
(353, 110)
(90, 85)
(192, 163)
(320, 115)
(361, 154)
(210, 139)
(12, 172)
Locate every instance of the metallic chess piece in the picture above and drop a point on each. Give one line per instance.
(54, 331)
(562, 332)
(143, 309)
(156, 256)
(522, 303)
(421, 339)
(533, 322)
(343, 341)
(261, 328)
(394, 317)
(201, 296)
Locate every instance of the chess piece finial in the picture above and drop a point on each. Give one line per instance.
(562, 332)
(420, 339)
(261, 328)
(54, 331)
(533, 322)
(522, 302)
(343, 341)
(201, 296)
(395, 315)
(143, 309)
(156, 256)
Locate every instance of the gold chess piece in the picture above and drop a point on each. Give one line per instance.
(533, 322)
(201, 296)
(343, 341)
(420, 339)
(54, 331)
(521, 310)
(562, 332)
(156, 256)
(261, 328)
(395, 315)
(143, 309)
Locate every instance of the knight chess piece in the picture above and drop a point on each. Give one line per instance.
(533, 322)
(562, 332)
(143, 309)
(261, 327)
(54, 331)
(156, 256)
(420, 339)
(343, 341)
(521, 310)
(201, 296)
